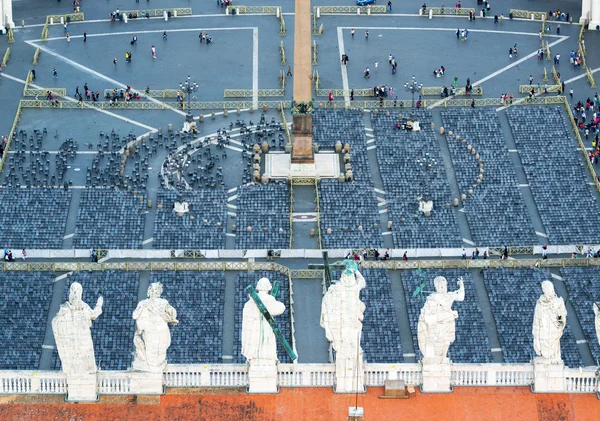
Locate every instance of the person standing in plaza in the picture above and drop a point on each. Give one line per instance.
(367, 34)
(115, 62)
(289, 71)
(352, 32)
(530, 79)
(164, 35)
(85, 37)
(153, 51)
(68, 37)
(55, 73)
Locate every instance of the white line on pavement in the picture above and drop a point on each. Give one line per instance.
(255, 67)
(342, 50)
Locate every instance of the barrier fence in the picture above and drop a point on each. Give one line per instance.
(36, 56)
(44, 36)
(70, 17)
(10, 34)
(6, 57)
(151, 93)
(143, 105)
(248, 93)
(286, 128)
(11, 135)
(437, 90)
(528, 14)
(525, 89)
(174, 12)
(282, 53)
(358, 92)
(203, 265)
(314, 53)
(43, 92)
(357, 10)
(261, 10)
(439, 11)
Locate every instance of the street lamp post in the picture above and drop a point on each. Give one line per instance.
(413, 87)
(427, 162)
(189, 87)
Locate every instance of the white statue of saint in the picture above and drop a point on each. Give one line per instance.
(71, 328)
(152, 336)
(259, 344)
(342, 314)
(597, 313)
(437, 322)
(549, 322)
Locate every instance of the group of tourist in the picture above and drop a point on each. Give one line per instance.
(89, 94)
(8, 254)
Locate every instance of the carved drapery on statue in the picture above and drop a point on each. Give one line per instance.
(437, 322)
(549, 322)
(152, 337)
(259, 344)
(342, 314)
(71, 328)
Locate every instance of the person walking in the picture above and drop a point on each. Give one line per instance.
(530, 79)
(367, 34)
(289, 72)
(153, 49)
(55, 73)
(85, 37)
(571, 93)
(24, 254)
(134, 40)
(68, 37)
(352, 94)
(115, 62)
(164, 35)
(352, 32)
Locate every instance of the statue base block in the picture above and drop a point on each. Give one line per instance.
(325, 165)
(262, 379)
(82, 388)
(436, 378)
(356, 413)
(349, 383)
(147, 383)
(426, 206)
(548, 377)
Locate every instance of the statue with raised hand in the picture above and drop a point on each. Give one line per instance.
(549, 321)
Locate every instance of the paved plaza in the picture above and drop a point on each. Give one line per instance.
(107, 177)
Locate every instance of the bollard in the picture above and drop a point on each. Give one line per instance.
(430, 13)
(174, 13)
(420, 12)
(532, 16)
(166, 16)
(318, 12)
(124, 18)
(170, 127)
(358, 10)
(369, 10)
(201, 118)
(227, 11)
(51, 21)
(62, 20)
(225, 113)
(237, 10)
(278, 12)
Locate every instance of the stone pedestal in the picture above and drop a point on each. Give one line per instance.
(548, 377)
(83, 387)
(436, 378)
(147, 383)
(262, 379)
(356, 413)
(302, 130)
(347, 382)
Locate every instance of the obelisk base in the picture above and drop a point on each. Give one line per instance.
(302, 131)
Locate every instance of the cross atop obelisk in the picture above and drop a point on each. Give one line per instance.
(302, 108)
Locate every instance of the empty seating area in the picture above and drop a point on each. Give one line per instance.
(113, 331)
(380, 334)
(199, 298)
(110, 218)
(23, 318)
(263, 216)
(472, 343)
(284, 321)
(582, 285)
(397, 153)
(33, 218)
(349, 215)
(513, 295)
(496, 211)
(556, 172)
(203, 227)
(347, 127)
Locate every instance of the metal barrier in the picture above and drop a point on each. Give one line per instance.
(36, 56)
(286, 128)
(590, 77)
(314, 53)
(71, 17)
(456, 11)
(581, 31)
(175, 12)
(6, 57)
(44, 36)
(43, 92)
(318, 211)
(11, 135)
(152, 93)
(525, 89)
(282, 52)
(282, 28)
(248, 93)
(364, 10)
(555, 75)
(243, 266)
(262, 10)
(358, 92)
(546, 49)
(10, 34)
(291, 214)
(437, 90)
(527, 14)
(143, 105)
(315, 80)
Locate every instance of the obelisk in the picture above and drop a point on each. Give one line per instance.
(302, 152)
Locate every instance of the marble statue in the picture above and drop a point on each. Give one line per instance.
(259, 344)
(342, 314)
(549, 322)
(152, 336)
(597, 313)
(71, 328)
(437, 327)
